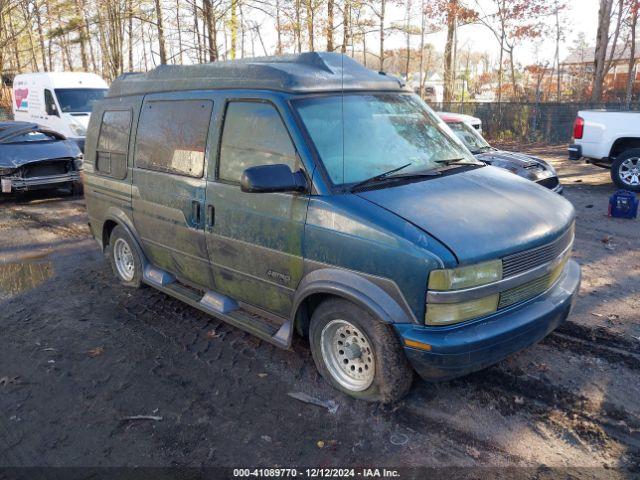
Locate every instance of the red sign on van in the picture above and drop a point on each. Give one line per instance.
(21, 94)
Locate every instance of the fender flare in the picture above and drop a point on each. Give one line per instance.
(351, 286)
(122, 219)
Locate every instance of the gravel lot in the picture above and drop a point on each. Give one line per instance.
(79, 354)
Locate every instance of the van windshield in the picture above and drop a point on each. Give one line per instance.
(77, 100)
(359, 136)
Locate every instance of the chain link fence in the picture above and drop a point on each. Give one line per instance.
(550, 123)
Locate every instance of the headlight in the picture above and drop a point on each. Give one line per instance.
(78, 130)
(460, 278)
(447, 313)
(465, 277)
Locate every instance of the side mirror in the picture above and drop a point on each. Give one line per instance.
(272, 178)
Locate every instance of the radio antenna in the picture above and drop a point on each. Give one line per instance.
(342, 109)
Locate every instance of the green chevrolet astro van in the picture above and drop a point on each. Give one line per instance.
(309, 195)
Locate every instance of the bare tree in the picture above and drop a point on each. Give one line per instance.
(631, 67)
(602, 43)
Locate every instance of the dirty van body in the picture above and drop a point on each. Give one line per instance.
(306, 194)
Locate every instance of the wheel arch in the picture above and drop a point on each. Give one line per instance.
(623, 144)
(325, 283)
(114, 218)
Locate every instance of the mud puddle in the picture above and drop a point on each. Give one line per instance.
(19, 277)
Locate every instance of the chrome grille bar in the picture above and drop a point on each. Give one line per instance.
(522, 261)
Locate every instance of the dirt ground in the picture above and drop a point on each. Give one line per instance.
(80, 355)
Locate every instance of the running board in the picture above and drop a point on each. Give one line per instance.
(220, 306)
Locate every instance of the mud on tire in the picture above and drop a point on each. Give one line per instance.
(393, 374)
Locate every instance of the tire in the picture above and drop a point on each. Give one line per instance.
(392, 376)
(77, 189)
(127, 269)
(625, 170)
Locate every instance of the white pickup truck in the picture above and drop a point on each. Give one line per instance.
(610, 140)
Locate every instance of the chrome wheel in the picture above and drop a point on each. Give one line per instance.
(348, 355)
(629, 171)
(124, 261)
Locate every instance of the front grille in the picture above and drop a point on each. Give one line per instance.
(524, 292)
(523, 261)
(551, 182)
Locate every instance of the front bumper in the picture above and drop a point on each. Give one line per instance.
(462, 349)
(575, 152)
(34, 183)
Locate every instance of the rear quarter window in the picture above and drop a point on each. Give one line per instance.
(172, 136)
(113, 143)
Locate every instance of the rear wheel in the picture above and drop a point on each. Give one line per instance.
(625, 170)
(123, 256)
(357, 353)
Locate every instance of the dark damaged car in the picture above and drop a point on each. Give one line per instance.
(33, 157)
(523, 165)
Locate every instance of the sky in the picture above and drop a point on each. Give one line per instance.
(581, 16)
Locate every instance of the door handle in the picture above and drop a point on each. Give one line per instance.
(211, 213)
(195, 212)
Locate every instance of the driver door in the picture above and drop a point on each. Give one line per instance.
(254, 239)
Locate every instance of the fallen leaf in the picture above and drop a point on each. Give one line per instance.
(474, 452)
(541, 367)
(266, 438)
(613, 316)
(211, 334)
(518, 400)
(262, 375)
(599, 315)
(320, 444)
(95, 352)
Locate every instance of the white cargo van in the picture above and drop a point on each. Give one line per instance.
(60, 101)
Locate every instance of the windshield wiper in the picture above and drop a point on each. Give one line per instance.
(455, 161)
(378, 177)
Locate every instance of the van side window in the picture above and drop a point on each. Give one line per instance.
(253, 134)
(113, 143)
(172, 136)
(50, 103)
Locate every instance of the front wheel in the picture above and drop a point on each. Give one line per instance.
(357, 353)
(625, 170)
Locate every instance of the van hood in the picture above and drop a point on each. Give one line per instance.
(81, 118)
(479, 214)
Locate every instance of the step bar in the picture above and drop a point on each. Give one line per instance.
(220, 306)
